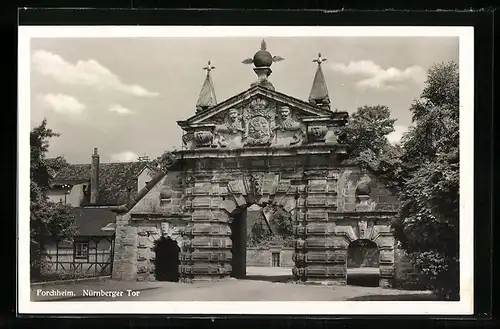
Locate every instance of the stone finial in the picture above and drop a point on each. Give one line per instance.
(207, 97)
(262, 61)
(362, 193)
(319, 91)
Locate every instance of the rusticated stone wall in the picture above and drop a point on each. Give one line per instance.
(195, 206)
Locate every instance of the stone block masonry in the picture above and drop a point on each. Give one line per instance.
(203, 203)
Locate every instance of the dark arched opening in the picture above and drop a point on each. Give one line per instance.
(363, 263)
(167, 260)
(239, 243)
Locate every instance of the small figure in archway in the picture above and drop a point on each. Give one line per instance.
(167, 260)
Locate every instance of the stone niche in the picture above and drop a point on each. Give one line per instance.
(362, 191)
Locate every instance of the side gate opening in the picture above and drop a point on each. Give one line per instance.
(167, 260)
(363, 263)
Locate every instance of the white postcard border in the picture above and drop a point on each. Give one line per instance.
(466, 67)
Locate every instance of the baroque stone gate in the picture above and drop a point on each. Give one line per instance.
(258, 147)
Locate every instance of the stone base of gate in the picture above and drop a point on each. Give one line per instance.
(325, 282)
(383, 283)
(386, 283)
(201, 279)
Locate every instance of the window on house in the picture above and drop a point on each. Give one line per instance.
(81, 250)
(276, 259)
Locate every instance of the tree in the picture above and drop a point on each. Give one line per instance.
(280, 232)
(367, 129)
(365, 137)
(49, 221)
(428, 224)
(164, 161)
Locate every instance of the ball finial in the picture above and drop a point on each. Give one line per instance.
(263, 58)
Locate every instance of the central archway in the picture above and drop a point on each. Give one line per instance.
(238, 237)
(265, 229)
(363, 263)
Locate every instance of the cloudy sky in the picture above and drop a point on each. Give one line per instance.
(124, 95)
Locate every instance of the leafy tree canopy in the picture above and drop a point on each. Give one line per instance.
(49, 221)
(428, 224)
(365, 137)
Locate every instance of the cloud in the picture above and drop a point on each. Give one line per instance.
(117, 108)
(395, 136)
(379, 78)
(63, 104)
(83, 73)
(124, 157)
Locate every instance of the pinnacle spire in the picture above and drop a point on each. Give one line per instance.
(319, 91)
(207, 97)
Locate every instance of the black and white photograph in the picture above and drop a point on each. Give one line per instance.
(246, 170)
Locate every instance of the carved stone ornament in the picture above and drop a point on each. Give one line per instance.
(362, 229)
(203, 138)
(233, 123)
(259, 132)
(166, 194)
(259, 106)
(317, 133)
(186, 138)
(287, 122)
(219, 139)
(254, 183)
(340, 135)
(259, 119)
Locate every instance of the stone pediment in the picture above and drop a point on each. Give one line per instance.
(261, 117)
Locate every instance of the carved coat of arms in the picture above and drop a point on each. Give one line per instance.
(259, 116)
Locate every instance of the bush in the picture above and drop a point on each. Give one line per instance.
(268, 240)
(66, 276)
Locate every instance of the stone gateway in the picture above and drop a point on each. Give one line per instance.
(266, 148)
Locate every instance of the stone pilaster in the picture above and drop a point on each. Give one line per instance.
(146, 236)
(319, 257)
(299, 225)
(125, 252)
(385, 242)
(207, 253)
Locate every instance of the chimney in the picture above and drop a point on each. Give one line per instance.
(129, 195)
(94, 178)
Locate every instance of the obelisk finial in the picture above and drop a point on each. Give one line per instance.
(319, 91)
(207, 97)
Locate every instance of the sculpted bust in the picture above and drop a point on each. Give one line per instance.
(233, 123)
(287, 122)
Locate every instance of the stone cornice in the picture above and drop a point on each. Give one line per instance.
(208, 152)
(369, 215)
(270, 94)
